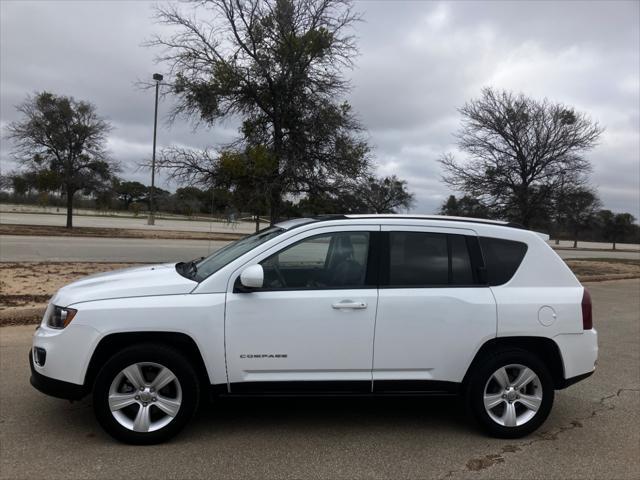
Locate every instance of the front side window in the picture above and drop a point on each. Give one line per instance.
(334, 260)
(419, 259)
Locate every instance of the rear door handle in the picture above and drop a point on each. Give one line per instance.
(349, 304)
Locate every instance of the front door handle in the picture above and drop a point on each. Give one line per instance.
(349, 304)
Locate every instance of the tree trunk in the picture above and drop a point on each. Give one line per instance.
(274, 207)
(275, 204)
(257, 222)
(275, 193)
(70, 209)
(614, 244)
(522, 196)
(575, 243)
(525, 218)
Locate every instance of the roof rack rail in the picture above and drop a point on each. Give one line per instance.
(516, 225)
(445, 218)
(329, 217)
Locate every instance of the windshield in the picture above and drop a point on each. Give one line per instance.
(229, 253)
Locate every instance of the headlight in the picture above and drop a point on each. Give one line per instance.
(60, 317)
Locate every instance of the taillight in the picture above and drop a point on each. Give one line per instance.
(587, 317)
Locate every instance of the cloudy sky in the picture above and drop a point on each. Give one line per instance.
(419, 61)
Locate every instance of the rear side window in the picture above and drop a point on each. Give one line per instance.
(502, 258)
(418, 259)
(461, 269)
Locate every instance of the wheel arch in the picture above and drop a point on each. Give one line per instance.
(114, 342)
(543, 347)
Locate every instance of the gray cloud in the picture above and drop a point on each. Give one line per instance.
(419, 62)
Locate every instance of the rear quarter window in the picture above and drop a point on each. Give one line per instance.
(502, 258)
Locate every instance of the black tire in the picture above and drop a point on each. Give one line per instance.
(481, 375)
(146, 353)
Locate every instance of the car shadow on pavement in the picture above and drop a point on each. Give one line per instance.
(320, 417)
(336, 413)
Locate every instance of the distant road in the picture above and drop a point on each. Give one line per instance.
(597, 254)
(139, 223)
(91, 249)
(15, 248)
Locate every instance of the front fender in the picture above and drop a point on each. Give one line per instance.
(199, 316)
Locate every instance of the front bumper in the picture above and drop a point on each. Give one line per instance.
(53, 387)
(68, 350)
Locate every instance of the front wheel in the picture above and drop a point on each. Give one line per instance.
(510, 393)
(145, 394)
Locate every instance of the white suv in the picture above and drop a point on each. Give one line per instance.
(337, 305)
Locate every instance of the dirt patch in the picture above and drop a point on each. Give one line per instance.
(601, 269)
(487, 461)
(25, 288)
(21, 300)
(48, 230)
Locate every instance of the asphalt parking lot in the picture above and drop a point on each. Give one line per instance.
(592, 432)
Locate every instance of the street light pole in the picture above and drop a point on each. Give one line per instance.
(559, 206)
(151, 221)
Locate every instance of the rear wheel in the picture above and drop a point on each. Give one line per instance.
(145, 394)
(510, 393)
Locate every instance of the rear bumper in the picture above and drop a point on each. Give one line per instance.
(579, 354)
(567, 382)
(53, 387)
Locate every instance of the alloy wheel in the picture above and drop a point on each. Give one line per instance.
(145, 397)
(513, 395)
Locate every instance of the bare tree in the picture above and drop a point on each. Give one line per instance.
(61, 141)
(5, 182)
(276, 64)
(190, 166)
(519, 150)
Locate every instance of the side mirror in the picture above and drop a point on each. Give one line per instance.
(252, 277)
